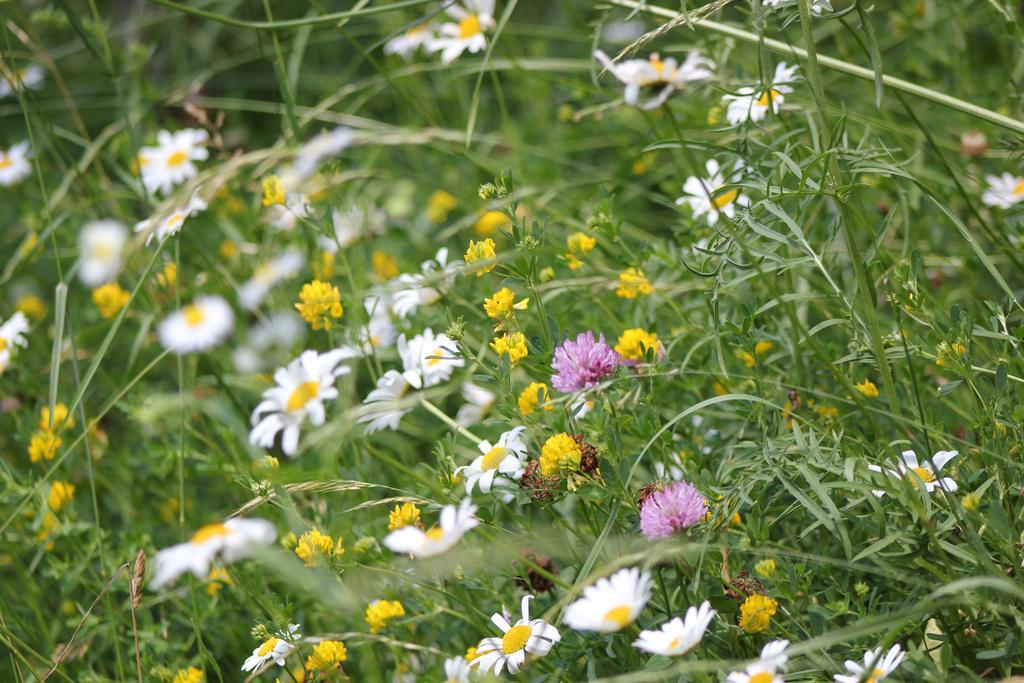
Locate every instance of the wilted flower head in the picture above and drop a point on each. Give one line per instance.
(583, 363)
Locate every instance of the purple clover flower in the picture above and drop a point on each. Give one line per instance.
(678, 506)
(583, 363)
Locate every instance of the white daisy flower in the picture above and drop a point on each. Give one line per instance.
(274, 648)
(300, 391)
(351, 224)
(752, 104)
(456, 670)
(199, 326)
(479, 402)
(163, 226)
(315, 151)
(12, 333)
(702, 194)
(14, 165)
(406, 44)
(531, 638)
(286, 216)
(454, 523)
(428, 358)
(170, 162)
(923, 471)
(766, 669)
(1003, 191)
(582, 407)
(875, 666)
(500, 465)
(100, 249)
(231, 540)
(379, 332)
(679, 636)
(611, 604)
(30, 76)
(268, 276)
(474, 17)
(382, 407)
(654, 73)
(413, 290)
(817, 6)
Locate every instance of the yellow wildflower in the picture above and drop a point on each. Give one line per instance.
(168, 277)
(470, 654)
(438, 206)
(380, 612)
(227, 250)
(273, 191)
(502, 305)
(482, 252)
(319, 303)
(189, 675)
(971, 501)
(217, 578)
(633, 283)
(763, 346)
(60, 418)
(326, 655)
(579, 244)
(868, 388)
(756, 613)
(61, 493)
(313, 543)
(560, 453)
(490, 222)
(110, 299)
(403, 515)
(32, 306)
(384, 265)
(43, 446)
(46, 529)
(765, 568)
(634, 343)
(323, 266)
(514, 344)
(528, 400)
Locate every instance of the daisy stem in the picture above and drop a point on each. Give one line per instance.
(449, 421)
(835, 64)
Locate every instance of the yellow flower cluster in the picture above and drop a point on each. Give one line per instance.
(513, 344)
(380, 612)
(384, 265)
(32, 306)
(633, 283)
(438, 206)
(528, 399)
(756, 613)
(560, 453)
(483, 253)
(168, 277)
(402, 516)
(502, 307)
(868, 388)
(273, 191)
(216, 579)
(189, 675)
(765, 568)
(634, 343)
(44, 443)
(490, 222)
(61, 493)
(326, 655)
(579, 244)
(320, 302)
(313, 543)
(760, 348)
(110, 299)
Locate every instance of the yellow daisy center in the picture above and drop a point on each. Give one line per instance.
(1017, 190)
(619, 615)
(193, 316)
(301, 395)
(767, 97)
(876, 675)
(6, 161)
(725, 199)
(3, 343)
(175, 221)
(435, 533)
(926, 476)
(493, 458)
(436, 356)
(674, 643)
(177, 159)
(515, 639)
(469, 27)
(267, 647)
(209, 531)
(761, 677)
